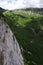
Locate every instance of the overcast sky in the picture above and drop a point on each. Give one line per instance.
(17, 4)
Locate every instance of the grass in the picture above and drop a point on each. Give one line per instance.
(28, 30)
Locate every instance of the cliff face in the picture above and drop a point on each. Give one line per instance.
(10, 53)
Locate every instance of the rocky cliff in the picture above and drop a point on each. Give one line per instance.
(10, 53)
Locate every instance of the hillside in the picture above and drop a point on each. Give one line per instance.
(28, 29)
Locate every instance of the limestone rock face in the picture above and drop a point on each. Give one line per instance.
(10, 53)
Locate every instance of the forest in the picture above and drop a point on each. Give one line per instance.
(27, 26)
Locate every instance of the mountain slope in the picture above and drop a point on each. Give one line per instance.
(28, 29)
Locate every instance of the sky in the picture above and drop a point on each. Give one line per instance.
(18, 4)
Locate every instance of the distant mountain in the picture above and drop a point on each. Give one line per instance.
(34, 10)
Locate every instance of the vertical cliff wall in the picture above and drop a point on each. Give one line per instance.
(10, 53)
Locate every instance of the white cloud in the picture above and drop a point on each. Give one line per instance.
(16, 4)
(7, 4)
(41, 3)
(33, 3)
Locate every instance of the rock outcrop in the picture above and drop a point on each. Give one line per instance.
(10, 53)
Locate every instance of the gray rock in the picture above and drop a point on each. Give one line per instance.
(10, 53)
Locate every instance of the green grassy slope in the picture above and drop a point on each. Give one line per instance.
(28, 29)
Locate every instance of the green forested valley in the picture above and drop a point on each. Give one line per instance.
(27, 26)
